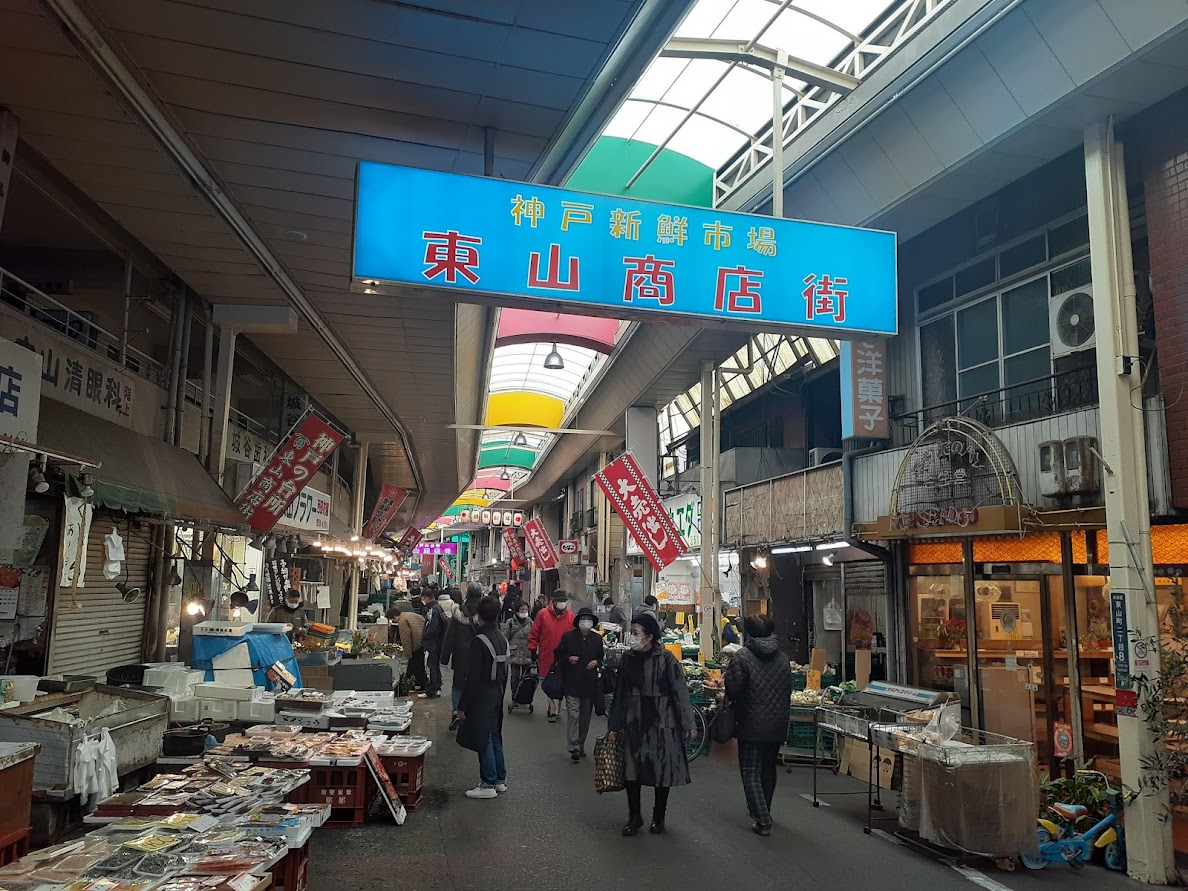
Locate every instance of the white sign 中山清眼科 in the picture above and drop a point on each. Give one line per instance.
(685, 511)
(310, 510)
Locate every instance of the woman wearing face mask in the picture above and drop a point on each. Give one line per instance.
(653, 715)
(548, 628)
(516, 630)
(580, 655)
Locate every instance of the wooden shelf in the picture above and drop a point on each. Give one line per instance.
(1105, 732)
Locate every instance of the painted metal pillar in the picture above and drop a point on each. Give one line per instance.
(216, 461)
(707, 591)
(1124, 465)
(777, 135)
(602, 517)
(357, 493)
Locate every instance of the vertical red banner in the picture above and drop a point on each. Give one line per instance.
(389, 501)
(639, 507)
(541, 544)
(513, 544)
(411, 538)
(444, 564)
(266, 498)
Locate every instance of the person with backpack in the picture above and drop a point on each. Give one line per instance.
(455, 649)
(480, 709)
(431, 639)
(759, 685)
(516, 629)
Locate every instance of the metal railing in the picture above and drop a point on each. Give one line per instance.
(1027, 401)
(895, 29)
(78, 327)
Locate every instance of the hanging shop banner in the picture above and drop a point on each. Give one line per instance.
(411, 538)
(310, 510)
(282, 479)
(864, 389)
(390, 499)
(512, 542)
(639, 507)
(444, 565)
(541, 544)
(450, 548)
(517, 243)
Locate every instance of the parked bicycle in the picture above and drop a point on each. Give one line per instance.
(1062, 842)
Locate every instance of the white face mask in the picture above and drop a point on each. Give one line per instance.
(635, 641)
(559, 607)
(523, 614)
(586, 624)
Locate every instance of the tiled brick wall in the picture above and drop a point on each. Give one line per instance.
(1158, 142)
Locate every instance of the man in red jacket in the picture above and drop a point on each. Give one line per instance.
(547, 630)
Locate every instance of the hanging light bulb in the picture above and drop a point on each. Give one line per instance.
(505, 476)
(553, 361)
(37, 480)
(354, 536)
(86, 479)
(251, 585)
(317, 543)
(194, 608)
(519, 440)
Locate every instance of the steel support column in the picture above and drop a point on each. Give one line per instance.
(357, 493)
(216, 461)
(707, 591)
(1123, 450)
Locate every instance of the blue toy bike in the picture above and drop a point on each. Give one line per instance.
(1064, 843)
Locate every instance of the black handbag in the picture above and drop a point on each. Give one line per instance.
(554, 684)
(721, 730)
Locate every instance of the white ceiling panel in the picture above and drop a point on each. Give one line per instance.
(913, 158)
(980, 94)
(1081, 35)
(1025, 63)
(939, 120)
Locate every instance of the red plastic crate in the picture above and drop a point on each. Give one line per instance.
(343, 787)
(14, 844)
(412, 800)
(292, 873)
(407, 774)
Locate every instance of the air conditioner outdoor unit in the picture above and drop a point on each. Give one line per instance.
(823, 455)
(1071, 322)
(1069, 467)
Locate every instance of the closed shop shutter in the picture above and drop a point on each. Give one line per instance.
(866, 578)
(103, 631)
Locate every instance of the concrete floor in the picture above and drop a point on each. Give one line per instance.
(550, 831)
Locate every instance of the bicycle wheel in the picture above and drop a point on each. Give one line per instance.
(694, 747)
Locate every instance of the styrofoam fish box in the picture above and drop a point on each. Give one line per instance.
(223, 691)
(259, 710)
(185, 709)
(221, 629)
(312, 720)
(236, 657)
(216, 709)
(234, 677)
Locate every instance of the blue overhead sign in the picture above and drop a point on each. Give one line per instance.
(477, 239)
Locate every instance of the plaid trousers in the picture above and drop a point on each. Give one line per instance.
(757, 764)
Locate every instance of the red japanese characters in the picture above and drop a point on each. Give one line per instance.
(287, 472)
(636, 503)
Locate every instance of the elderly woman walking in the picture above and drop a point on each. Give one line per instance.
(653, 715)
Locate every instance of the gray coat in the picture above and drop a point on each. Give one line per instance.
(652, 684)
(517, 639)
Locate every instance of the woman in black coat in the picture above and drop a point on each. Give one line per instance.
(480, 708)
(759, 683)
(580, 656)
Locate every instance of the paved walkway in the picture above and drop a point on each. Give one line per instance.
(550, 831)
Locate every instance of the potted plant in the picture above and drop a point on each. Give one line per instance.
(952, 634)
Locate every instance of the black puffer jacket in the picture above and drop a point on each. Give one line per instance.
(759, 683)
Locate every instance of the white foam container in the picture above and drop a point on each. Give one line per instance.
(216, 709)
(24, 686)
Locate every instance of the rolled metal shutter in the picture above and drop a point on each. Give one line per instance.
(103, 631)
(866, 578)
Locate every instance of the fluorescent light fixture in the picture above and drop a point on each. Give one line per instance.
(799, 549)
(833, 545)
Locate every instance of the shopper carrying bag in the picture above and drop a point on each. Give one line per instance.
(610, 771)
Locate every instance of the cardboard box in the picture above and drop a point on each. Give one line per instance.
(225, 692)
(234, 677)
(236, 657)
(855, 762)
(311, 720)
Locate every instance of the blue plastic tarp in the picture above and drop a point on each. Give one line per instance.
(264, 648)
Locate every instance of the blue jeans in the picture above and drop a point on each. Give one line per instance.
(455, 693)
(491, 767)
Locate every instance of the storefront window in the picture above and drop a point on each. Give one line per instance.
(937, 641)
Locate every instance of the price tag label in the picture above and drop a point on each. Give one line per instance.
(1012, 662)
(812, 679)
